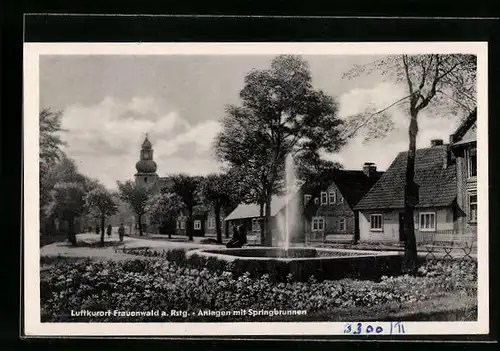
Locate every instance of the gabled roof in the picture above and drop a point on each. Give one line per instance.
(353, 185)
(463, 128)
(437, 185)
(253, 210)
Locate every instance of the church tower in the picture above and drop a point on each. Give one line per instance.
(146, 167)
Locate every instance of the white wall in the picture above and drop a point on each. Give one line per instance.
(444, 222)
(390, 230)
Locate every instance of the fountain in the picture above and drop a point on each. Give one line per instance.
(301, 262)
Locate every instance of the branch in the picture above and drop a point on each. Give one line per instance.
(432, 92)
(374, 114)
(408, 79)
(467, 108)
(424, 73)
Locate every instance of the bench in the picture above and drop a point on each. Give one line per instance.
(465, 243)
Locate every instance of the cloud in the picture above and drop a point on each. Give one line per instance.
(104, 139)
(383, 151)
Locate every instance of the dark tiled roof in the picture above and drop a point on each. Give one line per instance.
(354, 184)
(437, 185)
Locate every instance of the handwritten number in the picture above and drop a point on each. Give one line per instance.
(358, 329)
(379, 329)
(400, 328)
(347, 329)
(369, 329)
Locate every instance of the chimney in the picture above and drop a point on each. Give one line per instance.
(369, 169)
(436, 142)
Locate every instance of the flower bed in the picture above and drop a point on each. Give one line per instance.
(143, 285)
(326, 264)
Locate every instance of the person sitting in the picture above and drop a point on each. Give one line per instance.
(236, 241)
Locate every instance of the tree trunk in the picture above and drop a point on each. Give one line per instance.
(410, 200)
(103, 220)
(261, 224)
(217, 224)
(139, 220)
(267, 220)
(189, 224)
(71, 231)
(226, 228)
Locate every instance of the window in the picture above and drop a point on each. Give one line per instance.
(332, 197)
(318, 224)
(342, 227)
(307, 198)
(316, 201)
(324, 198)
(178, 225)
(255, 225)
(376, 222)
(427, 221)
(211, 223)
(197, 225)
(183, 225)
(341, 199)
(472, 162)
(473, 208)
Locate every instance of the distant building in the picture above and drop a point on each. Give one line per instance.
(248, 216)
(204, 218)
(324, 214)
(330, 214)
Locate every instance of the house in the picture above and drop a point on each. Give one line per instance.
(248, 215)
(199, 220)
(464, 148)
(210, 228)
(329, 212)
(381, 217)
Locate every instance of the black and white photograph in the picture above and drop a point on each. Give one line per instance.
(209, 189)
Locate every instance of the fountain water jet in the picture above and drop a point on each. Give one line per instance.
(291, 206)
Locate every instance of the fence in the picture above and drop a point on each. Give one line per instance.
(444, 236)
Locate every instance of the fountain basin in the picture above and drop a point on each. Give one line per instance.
(302, 263)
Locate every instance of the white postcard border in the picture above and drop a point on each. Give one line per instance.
(32, 51)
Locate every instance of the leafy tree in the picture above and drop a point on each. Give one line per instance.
(50, 153)
(281, 113)
(432, 82)
(63, 171)
(67, 203)
(218, 191)
(314, 171)
(164, 207)
(137, 196)
(50, 125)
(187, 188)
(101, 202)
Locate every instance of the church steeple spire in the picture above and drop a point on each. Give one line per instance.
(146, 167)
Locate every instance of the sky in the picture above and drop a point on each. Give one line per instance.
(109, 103)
